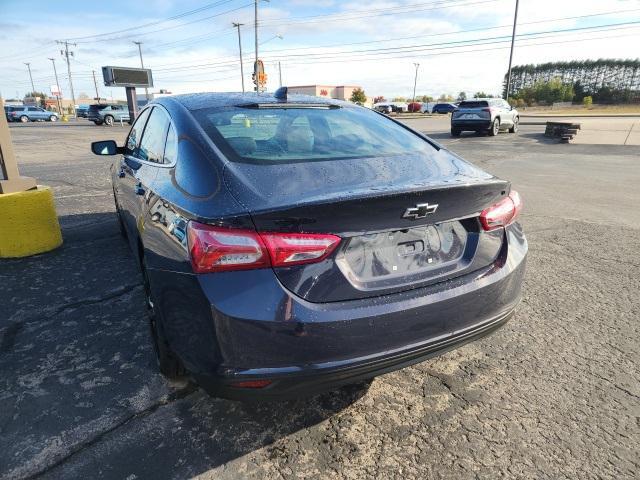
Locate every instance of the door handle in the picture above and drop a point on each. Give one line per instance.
(139, 189)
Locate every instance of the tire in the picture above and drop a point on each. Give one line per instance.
(108, 120)
(53, 118)
(169, 364)
(24, 119)
(495, 128)
(514, 129)
(455, 132)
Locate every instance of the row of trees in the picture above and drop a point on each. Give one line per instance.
(605, 80)
(428, 98)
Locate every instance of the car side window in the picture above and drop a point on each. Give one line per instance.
(154, 137)
(32, 109)
(171, 147)
(133, 140)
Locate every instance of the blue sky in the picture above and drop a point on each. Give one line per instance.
(459, 44)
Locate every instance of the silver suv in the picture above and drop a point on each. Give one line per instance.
(484, 115)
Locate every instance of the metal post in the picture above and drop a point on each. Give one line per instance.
(132, 103)
(513, 39)
(237, 25)
(55, 72)
(280, 72)
(33, 89)
(415, 82)
(66, 54)
(95, 84)
(146, 90)
(10, 179)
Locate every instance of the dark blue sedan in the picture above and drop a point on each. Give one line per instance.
(292, 244)
(444, 108)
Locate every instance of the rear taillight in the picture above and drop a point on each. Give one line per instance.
(296, 248)
(218, 249)
(502, 213)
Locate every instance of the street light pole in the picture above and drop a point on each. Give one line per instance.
(33, 89)
(415, 81)
(513, 39)
(146, 90)
(55, 72)
(95, 84)
(237, 25)
(280, 72)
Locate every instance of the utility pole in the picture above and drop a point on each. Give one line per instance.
(415, 81)
(146, 90)
(280, 72)
(66, 53)
(95, 84)
(255, 7)
(237, 25)
(55, 72)
(513, 39)
(33, 89)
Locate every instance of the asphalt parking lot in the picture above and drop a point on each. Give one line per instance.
(554, 394)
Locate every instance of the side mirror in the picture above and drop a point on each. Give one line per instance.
(106, 147)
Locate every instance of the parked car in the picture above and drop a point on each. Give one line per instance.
(82, 111)
(383, 108)
(31, 114)
(7, 110)
(107, 113)
(443, 108)
(325, 244)
(484, 115)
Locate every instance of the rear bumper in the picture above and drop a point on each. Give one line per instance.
(471, 124)
(231, 327)
(288, 384)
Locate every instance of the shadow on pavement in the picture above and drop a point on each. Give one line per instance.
(80, 389)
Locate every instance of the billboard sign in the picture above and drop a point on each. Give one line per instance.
(55, 91)
(127, 77)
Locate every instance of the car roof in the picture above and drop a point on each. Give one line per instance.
(197, 101)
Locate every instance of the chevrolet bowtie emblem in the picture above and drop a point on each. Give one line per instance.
(421, 210)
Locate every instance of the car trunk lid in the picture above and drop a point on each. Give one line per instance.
(405, 220)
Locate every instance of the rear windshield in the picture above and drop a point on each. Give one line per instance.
(273, 135)
(97, 107)
(474, 104)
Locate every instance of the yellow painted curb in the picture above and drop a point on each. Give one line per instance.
(28, 223)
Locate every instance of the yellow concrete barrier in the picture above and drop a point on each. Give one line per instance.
(28, 223)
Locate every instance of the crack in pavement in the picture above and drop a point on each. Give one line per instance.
(57, 310)
(171, 398)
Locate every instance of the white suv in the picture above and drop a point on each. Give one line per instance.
(484, 115)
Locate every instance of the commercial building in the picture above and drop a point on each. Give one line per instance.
(339, 92)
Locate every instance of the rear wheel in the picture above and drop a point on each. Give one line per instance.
(168, 363)
(455, 132)
(495, 128)
(514, 128)
(24, 119)
(108, 120)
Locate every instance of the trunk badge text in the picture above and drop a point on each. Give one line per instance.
(421, 210)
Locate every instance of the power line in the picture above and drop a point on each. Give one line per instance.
(414, 36)
(418, 47)
(158, 22)
(163, 30)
